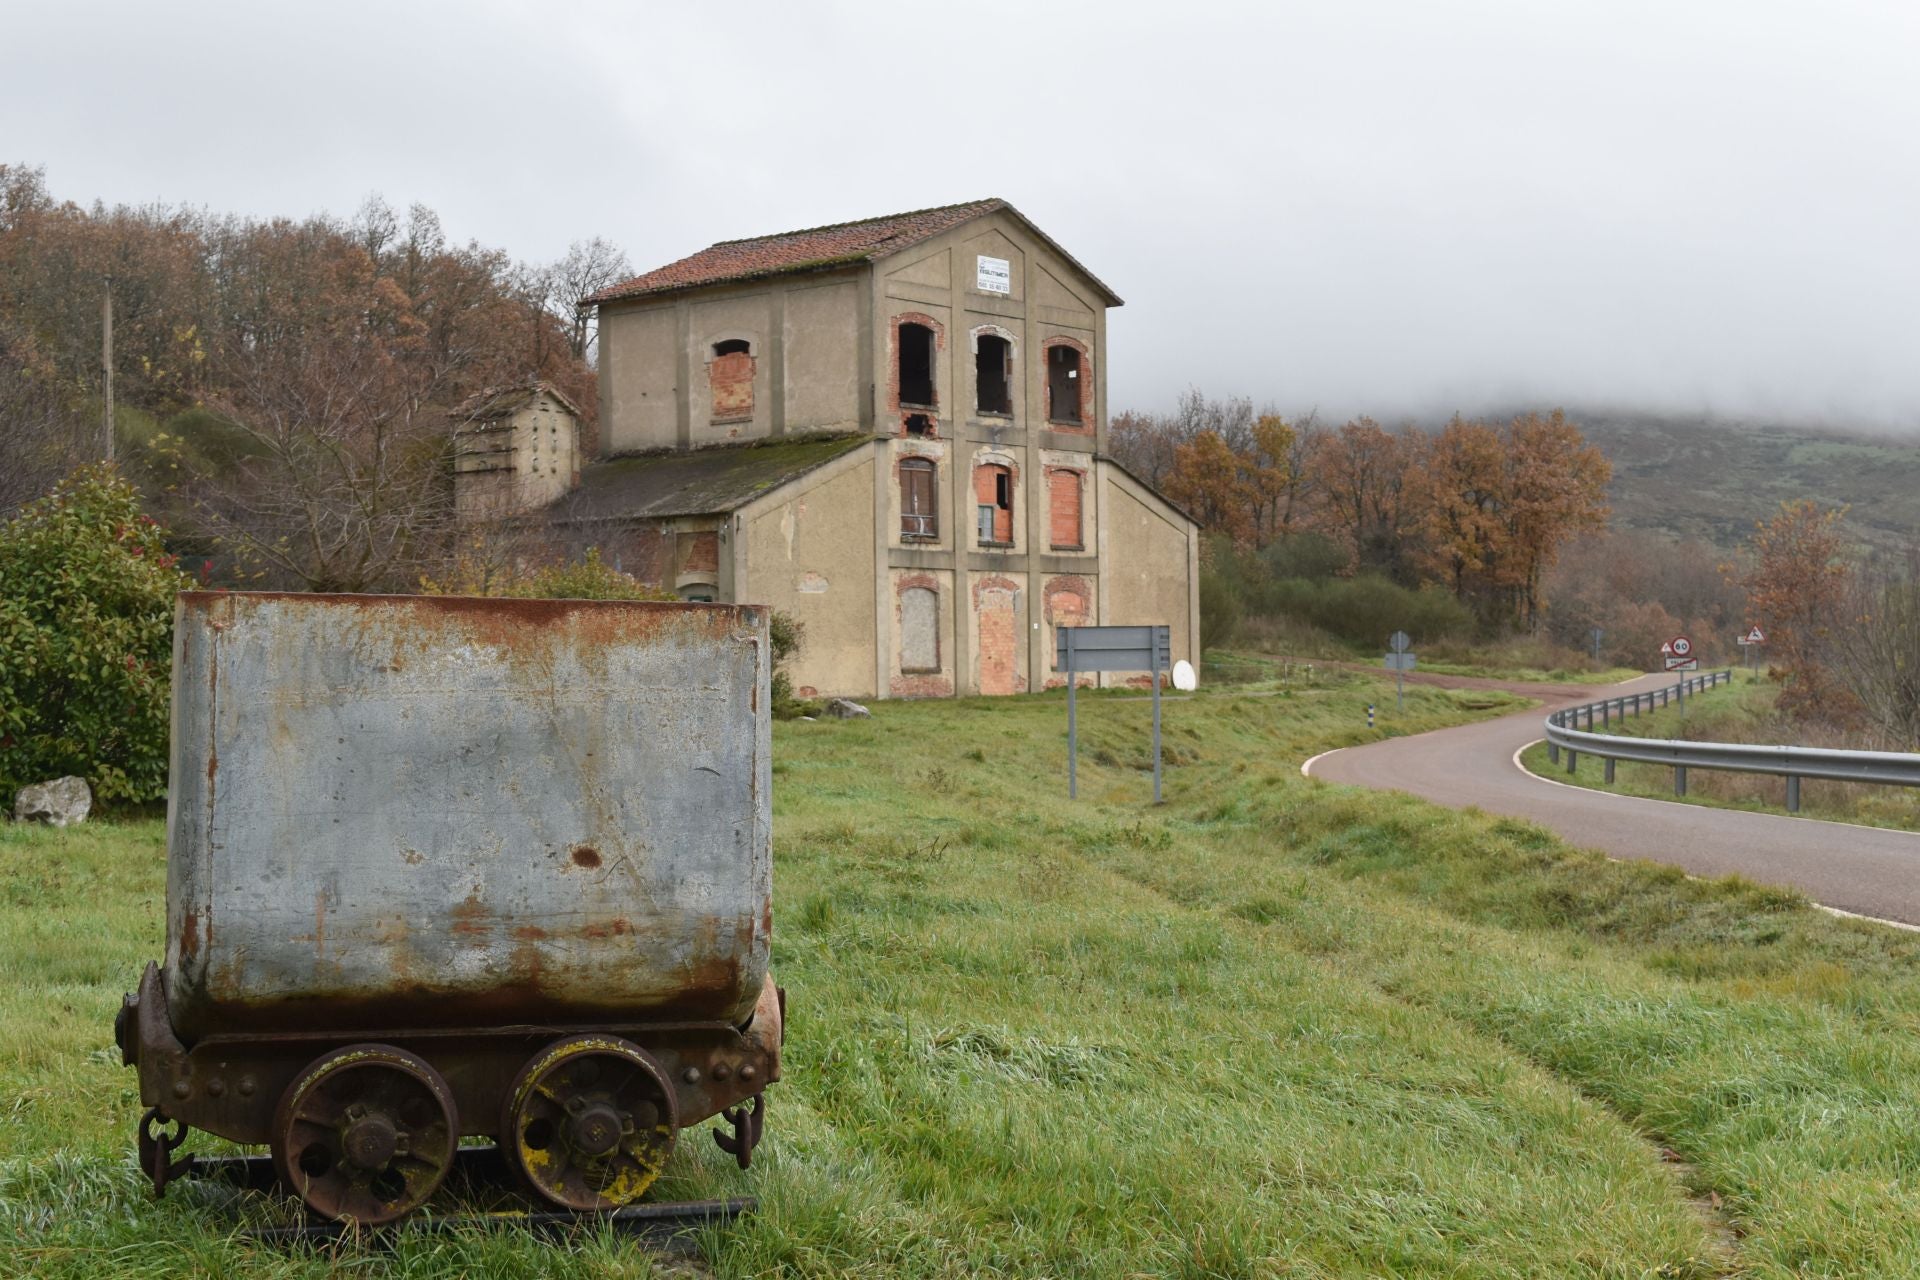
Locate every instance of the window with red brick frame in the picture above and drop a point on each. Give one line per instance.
(919, 510)
(1063, 509)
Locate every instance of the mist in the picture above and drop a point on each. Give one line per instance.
(1397, 208)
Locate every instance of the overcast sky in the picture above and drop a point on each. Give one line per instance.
(1386, 206)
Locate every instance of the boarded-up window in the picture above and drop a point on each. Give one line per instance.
(698, 552)
(730, 377)
(919, 630)
(1064, 378)
(919, 517)
(1063, 509)
(993, 374)
(993, 492)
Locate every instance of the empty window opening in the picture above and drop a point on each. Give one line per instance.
(919, 424)
(993, 374)
(1063, 511)
(1063, 384)
(919, 630)
(733, 347)
(918, 514)
(993, 492)
(916, 365)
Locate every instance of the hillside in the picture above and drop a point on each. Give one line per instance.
(1713, 478)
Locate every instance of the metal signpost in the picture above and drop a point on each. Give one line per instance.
(1399, 661)
(1751, 642)
(1597, 633)
(1679, 654)
(1077, 650)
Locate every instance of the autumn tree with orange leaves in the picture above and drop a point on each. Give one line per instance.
(1798, 591)
(1481, 509)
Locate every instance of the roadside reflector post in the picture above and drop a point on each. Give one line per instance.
(1609, 770)
(1793, 793)
(1680, 780)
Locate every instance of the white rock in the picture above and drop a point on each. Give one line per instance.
(845, 709)
(55, 803)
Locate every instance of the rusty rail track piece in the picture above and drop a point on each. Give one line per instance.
(655, 1222)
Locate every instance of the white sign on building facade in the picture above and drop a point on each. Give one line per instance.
(995, 275)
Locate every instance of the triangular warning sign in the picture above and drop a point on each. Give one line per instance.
(1756, 636)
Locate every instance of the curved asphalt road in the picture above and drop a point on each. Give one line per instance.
(1864, 870)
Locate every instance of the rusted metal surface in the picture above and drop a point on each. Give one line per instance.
(463, 831)
(438, 811)
(589, 1122)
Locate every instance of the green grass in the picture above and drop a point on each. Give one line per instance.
(1272, 1028)
(1741, 712)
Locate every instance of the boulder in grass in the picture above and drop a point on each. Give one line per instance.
(845, 709)
(55, 803)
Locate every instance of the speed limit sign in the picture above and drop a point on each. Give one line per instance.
(1682, 647)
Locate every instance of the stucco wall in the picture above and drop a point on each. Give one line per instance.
(1147, 555)
(804, 338)
(810, 554)
(822, 357)
(638, 359)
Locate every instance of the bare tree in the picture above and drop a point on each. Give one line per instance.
(41, 437)
(588, 267)
(1876, 647)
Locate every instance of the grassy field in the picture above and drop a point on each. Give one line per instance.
(1742, 712)
(1272, 1028)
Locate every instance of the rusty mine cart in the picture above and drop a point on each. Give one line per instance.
(441, 867)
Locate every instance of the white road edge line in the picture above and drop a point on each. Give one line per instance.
(1595, 791)
(1307, 768)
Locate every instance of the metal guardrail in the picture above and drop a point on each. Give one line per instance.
(1564, 735)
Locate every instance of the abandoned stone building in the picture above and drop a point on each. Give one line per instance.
(514, 449)
(893, 429)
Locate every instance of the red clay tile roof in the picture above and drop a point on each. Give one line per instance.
(816, 249)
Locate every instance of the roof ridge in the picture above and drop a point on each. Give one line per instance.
(861, 222)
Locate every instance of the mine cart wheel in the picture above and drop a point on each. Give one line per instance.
(589, 1122)
(365, 1134)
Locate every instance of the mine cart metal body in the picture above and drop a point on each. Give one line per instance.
(441, 866)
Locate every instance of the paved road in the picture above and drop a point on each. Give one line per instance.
(1864, 870)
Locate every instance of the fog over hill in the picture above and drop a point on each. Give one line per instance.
(1714, 478)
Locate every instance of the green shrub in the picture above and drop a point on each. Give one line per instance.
(1219, 609)
(784, 635)
(86, 640)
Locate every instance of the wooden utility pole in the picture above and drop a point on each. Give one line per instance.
(106, 363)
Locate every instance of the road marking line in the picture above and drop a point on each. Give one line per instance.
(1595, 791)
(1758, 813)
(1305, 769)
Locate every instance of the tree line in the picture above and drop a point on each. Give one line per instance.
(1478, 509)
(282, 386)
